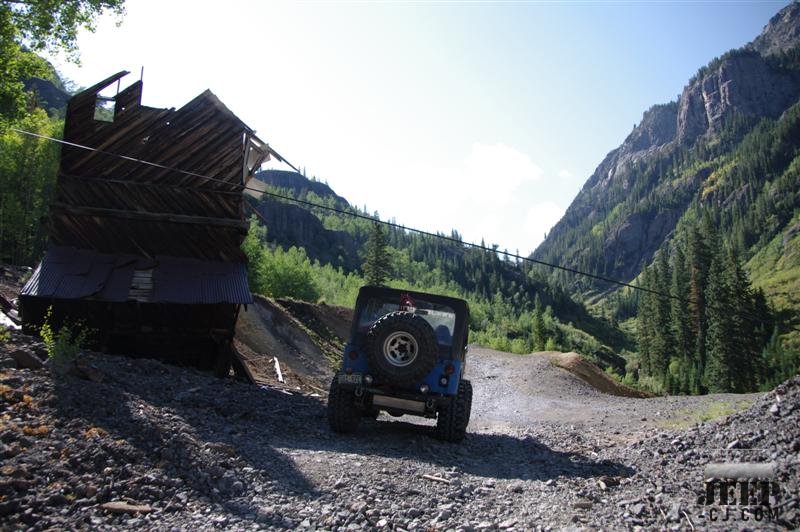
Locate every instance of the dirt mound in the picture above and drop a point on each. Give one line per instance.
(518, 390)
(306, 339)
(330, 323)
(589, 372)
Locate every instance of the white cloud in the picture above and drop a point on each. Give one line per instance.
(484, 194)
(540, 219)
(492, 172)
(564, 173)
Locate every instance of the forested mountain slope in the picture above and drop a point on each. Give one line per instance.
(508, 299)
(728, 148)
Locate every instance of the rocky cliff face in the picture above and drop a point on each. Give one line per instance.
(781, 34)
(631, 203)
(742, 83)
(291, 225)
(657, 129)
(300, 185)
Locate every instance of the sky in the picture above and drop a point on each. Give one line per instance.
(482, 117)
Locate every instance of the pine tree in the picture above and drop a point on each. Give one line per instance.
(744, 371)
(377, 267)
(645, 324)
(764, 327)
(721, 337)
(539, 332)
(699, 263)
(662, 343)
(681, 319)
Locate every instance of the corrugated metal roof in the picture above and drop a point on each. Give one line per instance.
(69, 273)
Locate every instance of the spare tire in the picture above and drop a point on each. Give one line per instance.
(401, 347)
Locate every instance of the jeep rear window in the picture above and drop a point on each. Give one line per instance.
(441, 318)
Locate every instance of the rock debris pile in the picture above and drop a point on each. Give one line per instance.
(108, 442)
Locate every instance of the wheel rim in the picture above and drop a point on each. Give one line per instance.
(400, 349)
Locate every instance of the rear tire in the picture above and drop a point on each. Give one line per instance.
(401, 348)
(451, 424)
(343, 414)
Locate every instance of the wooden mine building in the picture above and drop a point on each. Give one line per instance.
(146, 226)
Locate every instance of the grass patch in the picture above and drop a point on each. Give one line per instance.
(776, 269)
(686, 418)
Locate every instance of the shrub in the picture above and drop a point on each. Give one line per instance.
(613, 374)
(62, 343)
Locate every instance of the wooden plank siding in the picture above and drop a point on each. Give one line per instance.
(117, 205)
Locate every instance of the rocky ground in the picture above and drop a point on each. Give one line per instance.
(109, 442)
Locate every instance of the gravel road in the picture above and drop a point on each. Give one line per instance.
(117, 443)
(523, 391)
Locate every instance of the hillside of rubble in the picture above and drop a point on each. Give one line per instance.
(112, 442)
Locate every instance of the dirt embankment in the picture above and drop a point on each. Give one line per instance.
(593, 375)
(526, 390)
(306, 339)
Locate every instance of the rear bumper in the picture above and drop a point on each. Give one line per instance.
(397, 403)
(426, 405)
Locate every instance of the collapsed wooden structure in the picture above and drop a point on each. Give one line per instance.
(146, 226)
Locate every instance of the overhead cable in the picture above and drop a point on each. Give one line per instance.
(364, 217)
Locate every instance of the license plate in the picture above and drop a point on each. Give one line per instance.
(355, 378)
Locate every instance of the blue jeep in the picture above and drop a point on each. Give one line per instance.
(406, 355)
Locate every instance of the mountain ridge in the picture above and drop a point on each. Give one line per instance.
(676, 157)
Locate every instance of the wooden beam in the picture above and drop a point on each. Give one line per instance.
(164, 186)
(58, 207)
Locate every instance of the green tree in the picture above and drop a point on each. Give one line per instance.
(278, 272)
(289, 274)
(377, 268)
(781, 364)
(253, 247)
(54, 24)
(28, 169)
(539, 332)
(35, 25)
(747, 328)
(699, 256)
(681, 320)
(645, 323)
(662, 342)
(721, 342)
